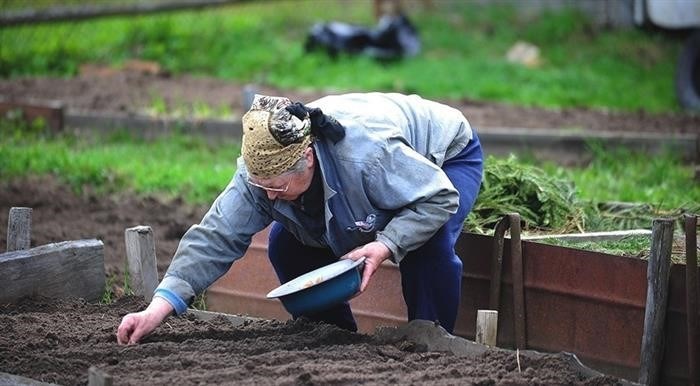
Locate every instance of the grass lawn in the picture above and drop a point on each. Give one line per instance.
(463, 55)
(546, 195)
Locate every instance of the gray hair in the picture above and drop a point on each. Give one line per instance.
(299, 166)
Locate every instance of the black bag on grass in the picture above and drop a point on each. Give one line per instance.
(394, 37)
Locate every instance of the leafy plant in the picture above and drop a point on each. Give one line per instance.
(542, 200)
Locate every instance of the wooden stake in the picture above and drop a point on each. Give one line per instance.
(97, 377)
(141, 258)
(658, 271)
(691, 288)
(487, 327)
(19, 229)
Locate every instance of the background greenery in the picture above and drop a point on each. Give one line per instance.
(546, 195)
(463, 56)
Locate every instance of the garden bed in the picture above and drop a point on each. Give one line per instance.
(58, 341)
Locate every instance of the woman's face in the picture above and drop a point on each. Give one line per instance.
(287, 186)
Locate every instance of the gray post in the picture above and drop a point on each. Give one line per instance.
(658, 271)
(141, 258)
(97, 377)
(19, 229)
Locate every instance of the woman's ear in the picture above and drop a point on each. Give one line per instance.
(310, 159)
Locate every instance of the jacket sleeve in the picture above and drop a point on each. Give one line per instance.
(420, 192)
(208, 249)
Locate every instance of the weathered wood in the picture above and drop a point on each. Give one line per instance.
(141, 258)
(591, 236)
(658, 270)
(518, 276)
(50, 111)
(19, 229)
(60, 270)
(86, 11)
(97, 377)
(691, 297)
(487, 327)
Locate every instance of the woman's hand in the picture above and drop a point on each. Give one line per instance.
(136, 325)
(374, 253)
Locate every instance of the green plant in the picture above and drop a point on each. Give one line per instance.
(630, 246)
(179, 165)
(200, 302)
(542, 200)
(108, 295)
(15, 125)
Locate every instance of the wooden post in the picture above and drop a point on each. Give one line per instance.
(97, 377)
(19, 229)
(141, 258)
(658, 271)
(691, 297)
(487, 327)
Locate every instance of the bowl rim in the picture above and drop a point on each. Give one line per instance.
(315, 277)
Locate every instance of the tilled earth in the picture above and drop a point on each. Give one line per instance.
(58, 341)
(59, 214)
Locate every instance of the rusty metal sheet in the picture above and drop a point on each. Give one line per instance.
(242, 291)
(587, 303)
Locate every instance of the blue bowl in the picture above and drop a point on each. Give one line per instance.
(320, 289)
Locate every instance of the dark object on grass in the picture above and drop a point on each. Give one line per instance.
(394, 37)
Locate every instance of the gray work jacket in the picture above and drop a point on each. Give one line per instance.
(381, 182)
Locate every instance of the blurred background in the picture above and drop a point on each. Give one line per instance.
(578, 69)
(611, 54)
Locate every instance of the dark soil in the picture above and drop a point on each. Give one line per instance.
(58, 214)
(133, 92)
(58, 341)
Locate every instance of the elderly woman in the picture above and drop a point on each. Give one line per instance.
(380, 176)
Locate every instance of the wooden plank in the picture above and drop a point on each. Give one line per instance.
(658, 270)
(51, 111)
(86, 11)
(60, 270)
(89, 122)
(19, 229)
(141, 258)
(591, 236)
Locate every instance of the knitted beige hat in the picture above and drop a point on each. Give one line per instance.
(273, 139)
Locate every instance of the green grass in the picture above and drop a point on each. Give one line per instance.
(177, 166)
(662, 180)
(631, 246)
(463, 56)
(197, 170)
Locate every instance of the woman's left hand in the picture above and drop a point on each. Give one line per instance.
(374, 253)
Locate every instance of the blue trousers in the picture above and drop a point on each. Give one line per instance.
(431, 275)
